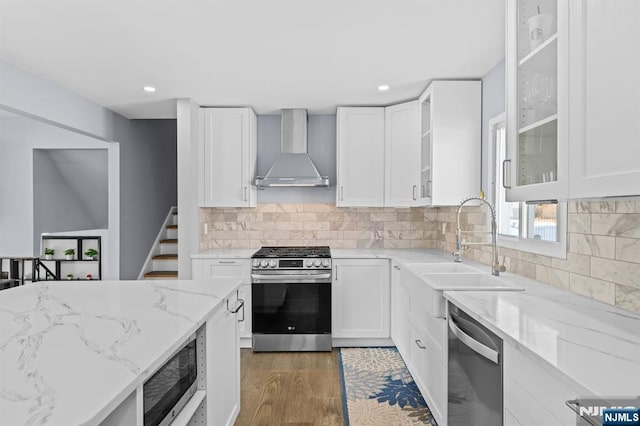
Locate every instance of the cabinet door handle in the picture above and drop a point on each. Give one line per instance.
(419, 344)
(237, 308)
(574, 404)
(242, 305)
(244, 194)
(504, 174)
(226, 261)
(336, 273)
(423, 191)
(430, 188)
(414, 192)
(396, 267)
(342, 193)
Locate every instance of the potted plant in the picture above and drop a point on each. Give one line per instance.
(69, 253)
(69, 276)
(89, 276)
(48, 253)
(91, 254)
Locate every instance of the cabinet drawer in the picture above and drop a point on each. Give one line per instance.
(433, 334)
(222, 268)
(429, 373)
(532, 394)
(525, 407)
(510, 419)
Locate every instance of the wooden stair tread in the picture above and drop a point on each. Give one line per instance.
(172, 226)
(161, 274)
(169, 241)
(165, 257)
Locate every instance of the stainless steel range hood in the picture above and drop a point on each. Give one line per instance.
(293, 168)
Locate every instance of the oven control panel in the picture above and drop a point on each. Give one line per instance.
(291, 263)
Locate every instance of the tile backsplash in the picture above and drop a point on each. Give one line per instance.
(603, 252)
(317, 224)
(603, 259)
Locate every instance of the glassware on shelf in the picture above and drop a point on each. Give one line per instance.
(540, 28)
(539, 97)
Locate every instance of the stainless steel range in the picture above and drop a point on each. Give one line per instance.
(291, 299)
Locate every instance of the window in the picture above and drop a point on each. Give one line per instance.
(532, 227)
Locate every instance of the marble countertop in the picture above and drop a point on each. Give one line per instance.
(70, 352)
(224, 254)
(595, 346)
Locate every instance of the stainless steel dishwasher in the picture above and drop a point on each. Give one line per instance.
(475, 372)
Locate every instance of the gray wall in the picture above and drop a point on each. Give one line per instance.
(493, 103)
(321, 135)
(70, 190)
(147, 154)
(148, 187)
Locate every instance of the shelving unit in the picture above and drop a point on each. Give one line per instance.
(13, 271)
(450, 125)
(58, 267)
(426, 149)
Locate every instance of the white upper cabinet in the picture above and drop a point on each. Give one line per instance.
(450, 142)
(537, 107)
(228, 158)
(360, 157)
(402, 155)
(604, 95)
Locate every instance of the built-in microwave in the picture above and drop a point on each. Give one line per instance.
(171, 386)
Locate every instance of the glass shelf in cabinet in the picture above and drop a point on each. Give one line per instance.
(542, 55)
(539, 123)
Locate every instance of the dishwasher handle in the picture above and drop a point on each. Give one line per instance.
(473, 344)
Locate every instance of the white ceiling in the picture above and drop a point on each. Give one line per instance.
(268, 54)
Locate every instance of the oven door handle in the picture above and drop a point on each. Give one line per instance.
(290, 277)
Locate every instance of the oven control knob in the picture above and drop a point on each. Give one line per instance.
(325, 263)
(309, 263)
(256, 263)
(316, 263)
(272, 264)
(264, 263)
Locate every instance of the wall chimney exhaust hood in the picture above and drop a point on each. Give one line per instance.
(293, 168)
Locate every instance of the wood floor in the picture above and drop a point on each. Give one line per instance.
(290, 388)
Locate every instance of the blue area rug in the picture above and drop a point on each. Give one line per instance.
(377, 389)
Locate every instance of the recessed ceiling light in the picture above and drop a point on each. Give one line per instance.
(383, 87)
(149, 89)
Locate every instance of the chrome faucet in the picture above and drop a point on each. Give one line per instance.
(496, 268)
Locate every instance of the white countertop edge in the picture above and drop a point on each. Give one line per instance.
(139, 380)
(224, 254)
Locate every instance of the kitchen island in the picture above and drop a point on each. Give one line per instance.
(72, 352)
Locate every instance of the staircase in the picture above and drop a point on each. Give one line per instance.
(162, 262)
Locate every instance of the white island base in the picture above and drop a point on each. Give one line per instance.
(74, 353)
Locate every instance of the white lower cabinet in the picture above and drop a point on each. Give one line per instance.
(400, 298)
(223, 366)
(429, 372)
(534, 396)
(360, 298)
(419, 331)
(203, 269)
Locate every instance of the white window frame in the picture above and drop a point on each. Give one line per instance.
(546, 248)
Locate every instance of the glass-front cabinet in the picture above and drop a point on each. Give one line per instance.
(425, 142)
(535, 168)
